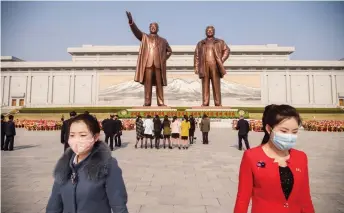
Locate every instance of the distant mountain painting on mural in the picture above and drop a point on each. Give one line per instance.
(178, 91)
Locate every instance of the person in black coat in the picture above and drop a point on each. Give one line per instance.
(157, 130)
(192, 129)
(3, 128)
(243, 127)
(65, 130)
(118, 131)
(10, 132)
(109, 130)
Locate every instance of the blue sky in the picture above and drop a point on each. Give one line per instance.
(42, 31)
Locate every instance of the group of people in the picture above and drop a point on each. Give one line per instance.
(274, 174)
(8, 132)
(174, 133)
(113, 130)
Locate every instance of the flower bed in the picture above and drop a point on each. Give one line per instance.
(38, 125)
(52, 125)
(324, 125)
(312, 125)
(255, 125)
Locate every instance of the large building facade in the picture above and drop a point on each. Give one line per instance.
(103, 76)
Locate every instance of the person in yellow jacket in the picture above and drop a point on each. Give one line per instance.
(185, 127)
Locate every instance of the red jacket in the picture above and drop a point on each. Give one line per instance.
(264, 186)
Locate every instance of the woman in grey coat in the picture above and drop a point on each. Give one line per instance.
(87, 177)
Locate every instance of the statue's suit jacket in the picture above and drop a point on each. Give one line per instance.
(221, 51)
(164, 49)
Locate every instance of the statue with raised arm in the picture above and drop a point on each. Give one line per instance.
(151, 63)
(210, 54)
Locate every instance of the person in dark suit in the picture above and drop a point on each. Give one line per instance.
(109, 130)
(10, 132)
(243, 127)
(157, 130)
(192, 129)
(118, 132)
(3, 127)
(65, 130)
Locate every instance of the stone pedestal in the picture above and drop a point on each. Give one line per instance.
(211, 109)
(151, 108)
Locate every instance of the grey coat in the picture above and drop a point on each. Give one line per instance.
(98, 186)
(205, 125)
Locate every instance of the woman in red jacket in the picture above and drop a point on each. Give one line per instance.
(274, 174)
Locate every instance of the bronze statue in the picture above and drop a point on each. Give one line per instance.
(151, 63)
(210, 54)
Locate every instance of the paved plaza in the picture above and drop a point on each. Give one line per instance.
(199, 180)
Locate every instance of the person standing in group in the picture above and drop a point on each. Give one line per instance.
(192, 129)
(157, 130)
(140, 130)
(87, 178)
(109, 130)
(10, 132)
(167, 131)
(244, 127)
(275, 175)
(65, 130)
(204, 126)
(3, 129)
(185, 128)
(118, 132)
(175, 127)
(149, 130)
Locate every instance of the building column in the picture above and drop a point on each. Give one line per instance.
(311, 88)
(334, 90)
(28, 89)
(50, 88)
(3, 80)
(72, 89)
(9, 101)
(288, 88)
(94, 88)
(97, 88)
(266, 89)
(262, 88)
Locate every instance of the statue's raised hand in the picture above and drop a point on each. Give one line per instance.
(130, 18)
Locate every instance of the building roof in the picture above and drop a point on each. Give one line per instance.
(272, 48)
(10, 58)
(187, 63)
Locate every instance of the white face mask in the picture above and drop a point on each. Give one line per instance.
(283, 141)
(81, 145)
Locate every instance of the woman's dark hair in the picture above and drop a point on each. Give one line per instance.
(166, 122)
(91, 123)
(72, 114)
(138, 118)
(186, 118)
(157, 116)
(275, 114)
(174, 118)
